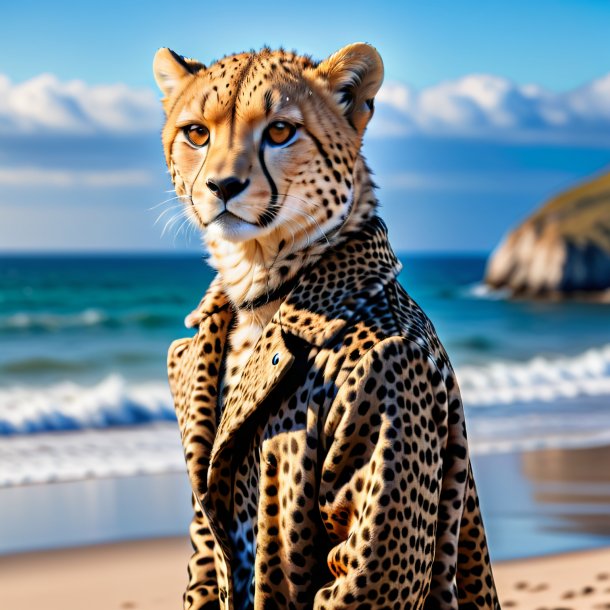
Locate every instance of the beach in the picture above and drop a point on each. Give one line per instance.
(150, 575)
(547, 514)
(146, 574)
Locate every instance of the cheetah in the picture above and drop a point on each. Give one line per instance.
(321, 419)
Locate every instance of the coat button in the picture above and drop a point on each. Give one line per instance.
(275, 359)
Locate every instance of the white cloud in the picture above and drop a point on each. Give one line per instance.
(476, 105)
(74, 107)
(43, 177)
(488, 106)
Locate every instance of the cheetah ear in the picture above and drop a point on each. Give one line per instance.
(170, 68)
(354, 74)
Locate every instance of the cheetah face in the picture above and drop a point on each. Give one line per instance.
(267, 142)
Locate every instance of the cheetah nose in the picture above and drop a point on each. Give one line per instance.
(227, 188)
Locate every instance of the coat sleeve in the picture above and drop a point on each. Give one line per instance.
(381, 479)
(202, 589)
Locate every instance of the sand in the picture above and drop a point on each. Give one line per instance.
(150, 575)
(570, 581)
(142, 575)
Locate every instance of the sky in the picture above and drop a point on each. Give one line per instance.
(487, 110)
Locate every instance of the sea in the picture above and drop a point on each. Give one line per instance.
(83, 343)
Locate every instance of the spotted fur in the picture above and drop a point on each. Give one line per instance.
(321, 420)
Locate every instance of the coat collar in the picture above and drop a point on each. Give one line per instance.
(344, 279)
(316, 310)
(320, 304)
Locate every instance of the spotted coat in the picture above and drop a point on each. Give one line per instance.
(335, 474)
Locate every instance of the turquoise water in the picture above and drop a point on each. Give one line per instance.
(83, 318)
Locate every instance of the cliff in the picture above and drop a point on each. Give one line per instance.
(562, 250)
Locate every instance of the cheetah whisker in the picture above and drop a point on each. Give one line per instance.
(175, 218)
(169, 209)
(322, 233)
(154, 207)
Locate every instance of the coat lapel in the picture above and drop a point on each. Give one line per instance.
(269, 362)
(193, 370)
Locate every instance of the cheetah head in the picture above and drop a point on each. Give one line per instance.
(267, 144)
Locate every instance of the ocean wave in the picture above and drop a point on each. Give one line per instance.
(69, 456)
(155, 448)
(540, 379)
(52, 321)
(545, 402)
(88, 318)
(68, 406)
(39, 364)
(114, 401)
(479, 290)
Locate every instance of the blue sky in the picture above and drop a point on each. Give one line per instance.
(488, 108)
(558, 44)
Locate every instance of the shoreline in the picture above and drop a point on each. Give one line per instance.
(151, 575)
(546, 513)
(545, 502)
(128, 543)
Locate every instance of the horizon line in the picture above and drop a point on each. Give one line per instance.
(202, 254)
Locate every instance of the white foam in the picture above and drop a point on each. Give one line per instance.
(70, 431)
(537, 380)
(67, 405)
(480, 290)
(565, 425)
(68, 456)
(52, 321)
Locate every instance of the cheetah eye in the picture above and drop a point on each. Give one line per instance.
(279, 132)
(197, 135)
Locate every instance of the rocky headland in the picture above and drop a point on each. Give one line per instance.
(562, 250)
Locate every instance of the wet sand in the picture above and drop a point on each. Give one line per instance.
(545, 502)
(150, 575)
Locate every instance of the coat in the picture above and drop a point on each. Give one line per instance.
(336, 474)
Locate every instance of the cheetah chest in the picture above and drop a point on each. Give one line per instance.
(247, 329)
